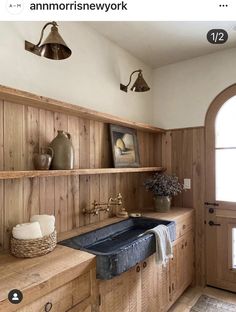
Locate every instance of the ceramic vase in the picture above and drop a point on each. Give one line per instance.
(42, 161)
(162, 203)
(63, 151)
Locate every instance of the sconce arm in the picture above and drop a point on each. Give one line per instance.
(42, 31)
(125, 87)
(136, 71)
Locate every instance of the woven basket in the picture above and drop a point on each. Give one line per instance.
(29, 248)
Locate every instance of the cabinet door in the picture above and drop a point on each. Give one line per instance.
(122, 293)
(185, 261)
(154, 285)
(173, 287)
(148, 285)
(180, 262)
(188, 258)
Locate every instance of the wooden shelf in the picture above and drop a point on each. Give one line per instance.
(4, 175)
(26, 98)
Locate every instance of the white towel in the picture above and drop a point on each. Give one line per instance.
(163, 243)
(47, 223)
(27, 231)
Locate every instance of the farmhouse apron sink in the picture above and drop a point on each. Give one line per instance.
(121, 245)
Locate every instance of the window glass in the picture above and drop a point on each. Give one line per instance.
(226, 175)
(225, 125)
(225, 152)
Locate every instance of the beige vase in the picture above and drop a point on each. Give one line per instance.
(162, 203)
(63, 158)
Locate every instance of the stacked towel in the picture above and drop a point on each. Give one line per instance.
(47, 223)
(163, 243)
(27, 231)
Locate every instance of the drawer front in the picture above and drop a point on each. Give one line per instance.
(64, 297)
(84, 306)
(184, 225)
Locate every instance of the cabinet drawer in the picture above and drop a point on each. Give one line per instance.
(184, 225)
(64, 297)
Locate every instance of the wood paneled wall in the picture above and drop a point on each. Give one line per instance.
(24, 130)
(184, 155)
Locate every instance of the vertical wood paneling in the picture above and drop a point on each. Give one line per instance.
(14, 145)
(73, 129)
(183, 155)
(198, 202)
(14, 138)
(46, 185)
(176, 160)
(103, 193)
(94, 195)
(84, 151)
(32, 135)
(61, 185)
(73, 214)
(13, 205)
(24, 130)
(187, 165)
(141, 142)
(73, 182)
(106, 153)
(61, 196)
(157, 150)
(92, 144)
(84, 199)
(31, 197)
(167, 151)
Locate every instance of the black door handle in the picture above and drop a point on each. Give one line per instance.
(211, 204)
(211, 223)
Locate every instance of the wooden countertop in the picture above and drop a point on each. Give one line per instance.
(175, 214)
(38, 276)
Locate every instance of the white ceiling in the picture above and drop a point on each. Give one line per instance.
(162, 43)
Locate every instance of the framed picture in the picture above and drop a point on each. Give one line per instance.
(124, 147)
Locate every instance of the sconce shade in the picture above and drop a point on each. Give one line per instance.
(140, 84)
(54, 47)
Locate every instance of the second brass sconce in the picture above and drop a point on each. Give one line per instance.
(53, 47)
(139, 85)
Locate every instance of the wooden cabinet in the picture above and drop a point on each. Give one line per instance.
(121, 293)
(185, 261)
(155, 286)
(173, 276)
(150, 287)
(77, 295)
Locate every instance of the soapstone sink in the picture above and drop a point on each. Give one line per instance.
(121, 245)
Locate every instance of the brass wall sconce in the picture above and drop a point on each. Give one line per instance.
(54, 47)
(140, 84)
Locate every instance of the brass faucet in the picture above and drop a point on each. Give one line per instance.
(117, 201)
(97, 207)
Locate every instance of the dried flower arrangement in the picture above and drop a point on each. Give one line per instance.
(162, 184)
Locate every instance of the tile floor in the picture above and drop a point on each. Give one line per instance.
(191, 295)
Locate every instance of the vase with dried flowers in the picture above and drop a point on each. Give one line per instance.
(163, 187)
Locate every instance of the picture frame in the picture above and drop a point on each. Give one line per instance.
(125, 149)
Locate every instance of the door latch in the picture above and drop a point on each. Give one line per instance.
(211, 223)
(211, 204)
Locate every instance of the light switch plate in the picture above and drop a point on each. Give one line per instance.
(187, 184)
